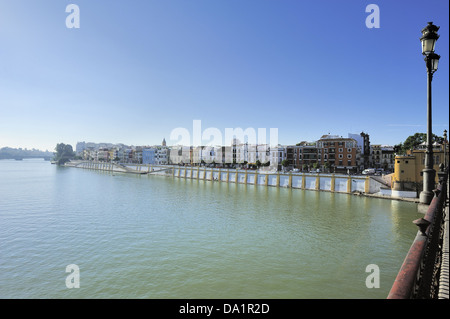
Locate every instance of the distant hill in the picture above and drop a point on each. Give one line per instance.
(19, 153)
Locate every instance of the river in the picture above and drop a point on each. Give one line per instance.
(158, 237)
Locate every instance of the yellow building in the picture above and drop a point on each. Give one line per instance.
(408, 168)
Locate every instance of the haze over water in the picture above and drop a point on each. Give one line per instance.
(163, 237)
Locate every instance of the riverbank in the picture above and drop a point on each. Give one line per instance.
(335, 183)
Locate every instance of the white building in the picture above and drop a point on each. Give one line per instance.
(277, 156)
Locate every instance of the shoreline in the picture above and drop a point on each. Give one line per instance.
(334, 183)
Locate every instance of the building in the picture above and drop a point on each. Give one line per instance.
(126, 155)
(306, 156)
(364, 158)
(376, 156)
(290, 156)
(162, 155)
(180, 155)
(103, 155)
(211, 154)
(149, 155)
(387, 158)
(383, 157)
(242, 153)
(337, 154)
(277, 156)
(80, 148)
(302, 156)
(408, 168)
(258, 153)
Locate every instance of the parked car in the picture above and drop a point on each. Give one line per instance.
(369, 171)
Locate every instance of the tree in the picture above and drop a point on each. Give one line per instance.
(413, 141)
(64, 153)
(258, 163)
(285, 163)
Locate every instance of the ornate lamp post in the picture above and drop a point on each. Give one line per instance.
(428, 39)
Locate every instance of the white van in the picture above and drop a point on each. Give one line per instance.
(369, 171)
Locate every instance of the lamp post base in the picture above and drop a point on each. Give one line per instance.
(426, 197)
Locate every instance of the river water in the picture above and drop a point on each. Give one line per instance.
(161, 237)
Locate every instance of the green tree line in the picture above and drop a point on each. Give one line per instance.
(64, 153)
(414, 141)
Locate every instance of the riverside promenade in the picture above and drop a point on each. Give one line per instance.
(350, 184)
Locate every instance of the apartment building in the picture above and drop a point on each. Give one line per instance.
(383, 157)
(277, 155)
(364, 154)
(337, 154)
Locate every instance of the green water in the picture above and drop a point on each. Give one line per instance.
(162, 237)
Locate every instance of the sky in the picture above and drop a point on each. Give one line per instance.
(135, 71)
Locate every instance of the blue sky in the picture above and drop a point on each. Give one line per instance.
(136, 70)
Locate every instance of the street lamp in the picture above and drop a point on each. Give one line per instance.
(428, 39)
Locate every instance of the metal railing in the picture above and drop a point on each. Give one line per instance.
(418, 277)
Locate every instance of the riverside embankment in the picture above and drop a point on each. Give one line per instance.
(351, 184)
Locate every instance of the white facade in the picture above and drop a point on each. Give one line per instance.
(277, 156)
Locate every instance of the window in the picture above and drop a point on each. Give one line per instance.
(349, 156)
(349, 150)
(341, 156)
(349, 163)
(341, 150)
(406, 162)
